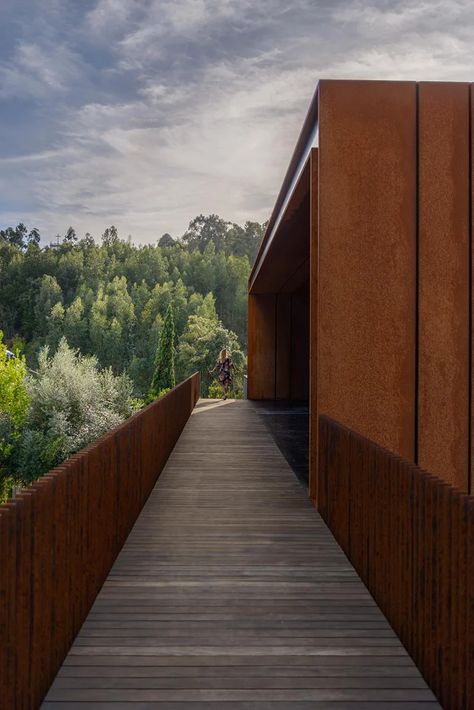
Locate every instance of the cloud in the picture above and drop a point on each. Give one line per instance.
(145, 113)
(38, 71)
(34, 157)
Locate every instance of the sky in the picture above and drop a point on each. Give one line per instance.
(146, 113)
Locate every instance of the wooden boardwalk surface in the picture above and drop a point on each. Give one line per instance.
(231, 593)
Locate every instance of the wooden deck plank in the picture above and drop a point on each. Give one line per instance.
(231, 592)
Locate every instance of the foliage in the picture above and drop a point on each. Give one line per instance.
(19, 236)
(202, 341)
(214, 390)
(110, 299)
(224, 236)
(73, 401)
(48, 415)
(91, 318)
(14, 402)
(164, 377)
(166, 240)
(13, 395)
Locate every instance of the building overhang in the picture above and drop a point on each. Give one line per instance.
(286, 214)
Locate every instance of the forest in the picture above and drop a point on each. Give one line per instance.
(84, 321)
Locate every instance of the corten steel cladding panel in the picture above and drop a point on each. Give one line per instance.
(261, 347)
(471, 364)
(283, 346)
(367, 258)
(443, 404)
(299, 371)
(313, 326)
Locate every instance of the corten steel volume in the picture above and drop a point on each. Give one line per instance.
(360, 297)
(360, 301)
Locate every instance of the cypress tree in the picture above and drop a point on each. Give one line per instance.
(164, 373)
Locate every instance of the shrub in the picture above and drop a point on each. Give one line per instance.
(14, 402)
(72, 402)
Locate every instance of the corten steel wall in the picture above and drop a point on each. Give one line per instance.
(59, 539)
(313, 326)
(367, 258)
(283, 346)
(410, 536)
(273, 348)
(278, 345)
(389, 196)
(394, 268)
(261, 346)
(444, 294)
(299, 342)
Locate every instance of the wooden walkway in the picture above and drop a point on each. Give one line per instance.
(231, 593)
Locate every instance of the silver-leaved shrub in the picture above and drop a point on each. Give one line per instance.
(72, 403)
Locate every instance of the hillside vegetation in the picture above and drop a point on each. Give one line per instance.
(109, 300)
(98, 329)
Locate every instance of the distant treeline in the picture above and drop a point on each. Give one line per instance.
(109, 299)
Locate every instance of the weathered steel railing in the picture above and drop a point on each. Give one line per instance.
(410, 536)
(60, 536)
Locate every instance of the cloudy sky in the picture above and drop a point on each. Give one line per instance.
(144, 113)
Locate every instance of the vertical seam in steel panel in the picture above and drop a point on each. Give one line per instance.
(415, 524)
(469, 379)
(417, 266)
(275, 368)
(290, 358)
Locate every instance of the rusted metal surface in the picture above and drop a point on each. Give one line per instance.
(313, 326)
(283, 346)
(299, 369)
(261, 346)
(443, 399)
(410, 536)
(306, 140)
(367, 258)
(59, 539)
(281, 265)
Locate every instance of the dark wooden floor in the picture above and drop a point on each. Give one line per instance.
(231, 593)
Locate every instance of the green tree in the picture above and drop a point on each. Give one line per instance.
(245, 241)
(14, 403)
(110, 236)
(166, 240)
(112, 323)
(15, 236)
(55, 326)
(204, 230)
(75, 328)
(69, 270)
(202, 341)
(70, 237)
(49, 294)
(110, 299)
(34, 237)
(164, 375)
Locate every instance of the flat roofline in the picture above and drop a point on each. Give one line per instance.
(305, 142)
